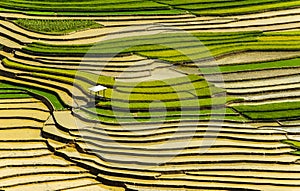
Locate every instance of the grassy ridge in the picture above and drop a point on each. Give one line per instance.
(15, 95)
(248, 7)
(295, 144)
(56, 26)
(145, 7)
(273, 111)
(63, 74)
(169, 47)
(90, 7)
(230, 7)
(52, 97)
(109, 116)
(68, 6)
(171, 105)
(179, 48)
(262, 65)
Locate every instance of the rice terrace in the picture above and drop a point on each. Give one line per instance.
(141, 95)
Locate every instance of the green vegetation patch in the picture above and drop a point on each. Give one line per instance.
(269, 107)
(51, 96)
(238, 7)
(164, 85)
(272, 111)
(180, 48)
(176, 48)
(171, 105)
(191, 91)
(62, 74)
(56, 26)
(88, 7)
(145, 7)
(263, 65)
(117, 117)
(295, 144)
(13, 95)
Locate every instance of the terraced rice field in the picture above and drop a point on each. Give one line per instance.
(201, 95)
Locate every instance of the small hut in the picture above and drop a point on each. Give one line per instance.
(97, 89)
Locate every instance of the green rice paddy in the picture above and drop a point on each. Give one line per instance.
(51, 96)
(56, 26)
